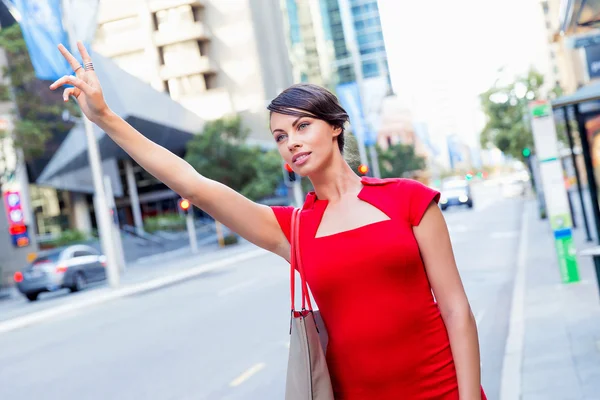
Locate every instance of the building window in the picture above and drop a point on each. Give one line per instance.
(182, 53)
(370, 69)
(174, 19)
(546, 7)
(210, 81)
(186, 86)
(370, 38)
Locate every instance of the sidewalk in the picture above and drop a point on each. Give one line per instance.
(560, 324)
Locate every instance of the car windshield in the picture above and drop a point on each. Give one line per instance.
(47, 258)
(454, 185)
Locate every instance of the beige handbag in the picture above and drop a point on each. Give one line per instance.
(307, 374)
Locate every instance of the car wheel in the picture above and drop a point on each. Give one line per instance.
(32, 296)
(79, 283)
(470, 204)
(444, 208)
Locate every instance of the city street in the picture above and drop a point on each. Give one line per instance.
(224, 334)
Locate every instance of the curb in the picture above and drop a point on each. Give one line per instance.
(44, 315)
(510, 386)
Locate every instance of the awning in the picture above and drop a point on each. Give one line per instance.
(584, 94)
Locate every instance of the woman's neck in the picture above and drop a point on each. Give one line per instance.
(336, 181)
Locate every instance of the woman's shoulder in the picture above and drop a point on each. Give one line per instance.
(408, 197)
(403, 184)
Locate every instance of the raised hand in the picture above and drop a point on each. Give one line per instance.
(87, 89)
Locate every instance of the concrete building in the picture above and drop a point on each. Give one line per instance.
(214, 57)
(573, 43)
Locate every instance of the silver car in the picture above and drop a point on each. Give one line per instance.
(72, 267)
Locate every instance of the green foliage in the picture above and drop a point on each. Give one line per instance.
(66, 238)
(165, 222)
(399, 159)
(506, 108)
(220, 152)
(39, 109)
(230, 239)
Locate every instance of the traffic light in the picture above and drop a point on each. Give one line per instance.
(363, 169)
(184, 204)
(289, 174)
(526, 152)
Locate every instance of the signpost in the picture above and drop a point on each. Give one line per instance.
(555, 194)
(16, 219)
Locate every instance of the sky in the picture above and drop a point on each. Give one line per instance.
(457, 47)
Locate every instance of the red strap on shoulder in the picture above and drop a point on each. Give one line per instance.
(296, 263)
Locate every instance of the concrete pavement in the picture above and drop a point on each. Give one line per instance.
(554, 353)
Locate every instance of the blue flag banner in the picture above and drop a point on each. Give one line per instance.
(349, 97)
(41, 23)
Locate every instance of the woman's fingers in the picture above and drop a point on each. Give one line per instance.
(72, 80)
(68, 92)
(69, 57)
(85, 56)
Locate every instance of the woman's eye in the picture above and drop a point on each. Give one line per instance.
(279, 138)
(302, 126)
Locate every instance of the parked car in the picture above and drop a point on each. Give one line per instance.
(72, 267)
(456, 192)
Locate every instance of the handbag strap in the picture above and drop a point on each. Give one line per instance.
(296, 263)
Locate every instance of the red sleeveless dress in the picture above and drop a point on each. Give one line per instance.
(387, 339)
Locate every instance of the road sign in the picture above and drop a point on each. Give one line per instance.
(551, 174)
(16, 219)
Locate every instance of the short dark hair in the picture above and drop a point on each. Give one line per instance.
(308, 100)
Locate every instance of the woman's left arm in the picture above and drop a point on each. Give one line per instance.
(436, 249)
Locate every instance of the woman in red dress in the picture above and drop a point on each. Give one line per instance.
(376, 251)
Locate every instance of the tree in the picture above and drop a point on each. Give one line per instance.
(37, 116)
(220, 153)
(398, 160)
(506, 108)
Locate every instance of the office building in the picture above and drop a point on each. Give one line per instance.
(214, 57)
(309, 41)
(358, 21)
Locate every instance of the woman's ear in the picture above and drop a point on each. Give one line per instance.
(337, 131)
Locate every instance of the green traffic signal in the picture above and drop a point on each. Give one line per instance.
(526, 152)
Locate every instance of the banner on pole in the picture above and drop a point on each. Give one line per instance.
(349, 96)
(42, 24)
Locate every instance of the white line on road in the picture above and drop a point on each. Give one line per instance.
(457, 228)
(247, 374)
(510, 387)
(108, 295)
(234, 288)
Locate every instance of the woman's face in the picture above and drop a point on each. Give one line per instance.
(306, 144)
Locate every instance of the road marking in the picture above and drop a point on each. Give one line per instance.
(247, 374)
(234, 288)
(112, 294)
(504, 235)
(510, 387)
(458, 228)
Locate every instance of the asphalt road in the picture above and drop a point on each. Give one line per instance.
(224, 335)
